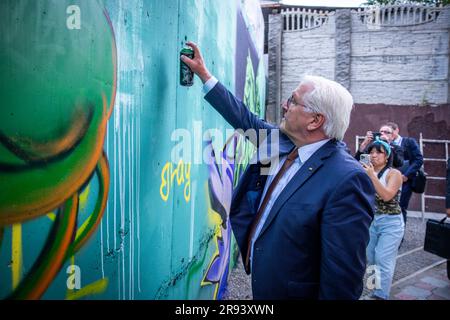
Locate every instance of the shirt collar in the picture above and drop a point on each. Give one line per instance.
(398, 140)
(308, 150)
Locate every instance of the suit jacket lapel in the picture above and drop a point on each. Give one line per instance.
(272, 147)
(308, 169)
(283, 145)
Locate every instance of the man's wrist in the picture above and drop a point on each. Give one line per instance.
(204, 76)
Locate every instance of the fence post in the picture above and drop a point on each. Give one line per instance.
(423, 165)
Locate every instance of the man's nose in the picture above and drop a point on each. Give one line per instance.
(284, 106)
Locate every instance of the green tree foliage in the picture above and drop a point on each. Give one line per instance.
(393, 2)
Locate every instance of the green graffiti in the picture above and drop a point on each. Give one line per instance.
(57, 86)
(246, 149)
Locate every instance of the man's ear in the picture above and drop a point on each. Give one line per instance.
(316, 122)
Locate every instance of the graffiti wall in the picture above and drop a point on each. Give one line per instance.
(110, 181)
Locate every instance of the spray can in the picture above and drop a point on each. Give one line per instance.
(186, 74)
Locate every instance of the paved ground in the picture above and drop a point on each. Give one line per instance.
(431, 284)
(419, 275)
(239, 284)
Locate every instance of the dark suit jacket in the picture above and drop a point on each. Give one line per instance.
(413, 158)
(313, 243)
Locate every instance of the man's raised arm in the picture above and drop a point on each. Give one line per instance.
(231, 108)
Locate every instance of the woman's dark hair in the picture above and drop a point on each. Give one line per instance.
(380, 148)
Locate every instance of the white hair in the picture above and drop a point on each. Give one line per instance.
(333, 101)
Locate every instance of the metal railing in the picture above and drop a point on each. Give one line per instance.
(423, 141)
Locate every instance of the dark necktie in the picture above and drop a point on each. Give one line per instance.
(286, 165)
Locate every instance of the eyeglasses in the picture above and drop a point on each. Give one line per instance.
(385, 131)
(291, 100)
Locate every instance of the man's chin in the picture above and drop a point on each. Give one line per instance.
(282, 125)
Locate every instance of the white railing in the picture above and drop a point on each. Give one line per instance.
(422, 143)
(397, 15)
(299, 19)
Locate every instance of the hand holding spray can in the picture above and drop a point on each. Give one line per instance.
(186, 74)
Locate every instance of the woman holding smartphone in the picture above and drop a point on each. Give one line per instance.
(385, 134)
(387, 228)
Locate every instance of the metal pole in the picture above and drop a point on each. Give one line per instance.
(423, 165)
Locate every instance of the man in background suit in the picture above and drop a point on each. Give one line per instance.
(413, 161)
(302, 230)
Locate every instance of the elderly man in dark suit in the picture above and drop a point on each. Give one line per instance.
(303, 229)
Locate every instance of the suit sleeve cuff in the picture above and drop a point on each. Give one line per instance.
(208, 85)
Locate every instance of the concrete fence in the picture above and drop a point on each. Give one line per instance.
(396, 55)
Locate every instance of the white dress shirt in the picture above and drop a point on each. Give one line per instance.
(304, 153)
(208, 85)
(398, 140)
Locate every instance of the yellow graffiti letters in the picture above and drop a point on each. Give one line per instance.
(182, 173)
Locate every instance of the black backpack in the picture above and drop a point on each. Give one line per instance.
(419, 182)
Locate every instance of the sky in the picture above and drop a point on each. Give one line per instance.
(323, 3)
